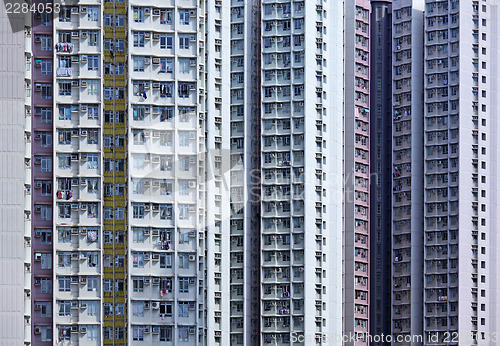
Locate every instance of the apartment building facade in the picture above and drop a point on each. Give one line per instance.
(301, 213)
(357, 169)
(407, 170)
(15, 176)
(460, 170)
(149, 164)
(380, 166)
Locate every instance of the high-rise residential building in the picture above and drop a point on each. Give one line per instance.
(301, 171)
(380, 166)
(460, 278)
(42, 230)
(356, 239)
(15, 179)
(407, 167)
(149, 163)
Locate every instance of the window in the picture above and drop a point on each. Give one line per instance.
(183, 309)
(138, 333)
(46, 114)
(166, 16)
(92, 136)
(46, 309)
(93, 87)
(184, 41)
(139, 64)
(183, 334)
(46, 333)
(92, 308)
(183, 211)
(92, 284)
(138, 260)
(165, 260)
(46, 67)
(64, 88)
(65, 14)
(92, 332)
(93, 38)
(93, 62)
(138, 284)
(64, 283)
(46, 139)
(46, 261)
(166, 211)
(45, 235)
(120, 20)
(46, 285)
(138, 210)
(166, 41)
(64, 308)
(120, 46)
(46, 163)
(46, 187)
(108, 20)
(166, 65)
(184, 65)
(184, 17)
(138, 308)
(64, 233)
(45, 42)
(138, 236)
(92, 161)
(93, 112)
(139, 39)
(45, 211)
(47, 91)
(138, 14)
(183, 285)
(64, 113)
(92, 13)
(183, 263)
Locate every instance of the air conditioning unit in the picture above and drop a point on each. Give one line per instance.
(147, 35)
(147, 11)
(83, 157)
(156, 12)
(83, 133)
(146, 305)
(38, 184)
(83, 329)
(74, 329)
(192, 281)
(74, 58)
(192, 258)
(74, 304)
(147, 206)
(147, 61)
(155, 257)
(192, 13)
(83, 9)
(156, 281)
(83, 108)
(192, 330)
(75, 34)
(38, 257)
(84, 57)
(83, 83)
(83, 305)
(74, 279)
(156, 330)
(146, 256)
(147, 330)
(156, 233)
(38, 306)
(83, 255)
(83, 231)
(75, 84)
(38, 330)
(83, 34)
(155, 305)
(156, 37)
